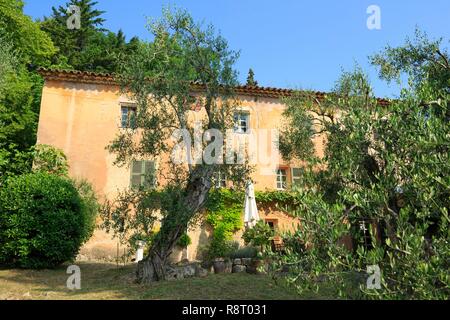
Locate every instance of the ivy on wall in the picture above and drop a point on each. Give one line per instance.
(225, 208)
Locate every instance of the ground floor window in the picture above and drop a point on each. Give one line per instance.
(143, 174)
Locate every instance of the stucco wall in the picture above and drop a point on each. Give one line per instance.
(82, 119)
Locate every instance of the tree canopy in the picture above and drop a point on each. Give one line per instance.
(385, 171)
(91, 47)
(160, 78)
(32, 45)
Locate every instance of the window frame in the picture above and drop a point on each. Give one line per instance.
(285, 179)
(129, 124)
(220, 180)
(237, 118)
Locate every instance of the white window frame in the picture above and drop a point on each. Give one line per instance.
(239, 117)
(128, 107)
(220, 180)
(279, 179)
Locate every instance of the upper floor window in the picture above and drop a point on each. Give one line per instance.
(281, 179)
(296, 176)
(128, 117)
(143, 174)
(220, 180)
(241, 123)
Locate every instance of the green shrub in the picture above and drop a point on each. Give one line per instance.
(218, 249)
(49, 159)
(245, 252)
(43, 221)
(184, 241)
(259, 236)
(89, 207)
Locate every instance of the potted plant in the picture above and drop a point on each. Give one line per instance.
(218, 253)
(259, 236)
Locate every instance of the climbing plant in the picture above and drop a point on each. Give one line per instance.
(224, 211)
(225, 208)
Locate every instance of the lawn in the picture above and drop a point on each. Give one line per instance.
(107, 281)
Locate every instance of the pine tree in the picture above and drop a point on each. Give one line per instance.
(73, 42)
(251, 78)
(90, 48)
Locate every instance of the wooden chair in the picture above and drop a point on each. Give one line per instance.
(277, 244)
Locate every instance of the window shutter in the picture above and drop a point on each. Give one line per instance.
(143, 174)
(136, 172)
(149, 174)
(296, 174)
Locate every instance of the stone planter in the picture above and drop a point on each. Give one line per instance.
(238, 268)
(228, 266)
(246, 261)
(219, 265)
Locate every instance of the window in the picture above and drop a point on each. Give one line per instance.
(220, 180)
(296, 176)
(143, 174)
(281, 179)
(128, 118)
(271, 224)
(241, 124)
(362, 232)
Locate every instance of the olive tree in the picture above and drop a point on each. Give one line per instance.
(386, 164)
(186, 71)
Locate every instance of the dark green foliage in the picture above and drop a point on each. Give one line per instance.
(89, 207)
(244, 252)
(90, 48)
(251, 78)
(33, 47)
(23, 48)
(385, 164)
(50, 159)
(184, 241)
(42, 221)
(18, 124)
(259, 235)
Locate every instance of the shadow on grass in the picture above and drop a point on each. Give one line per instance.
(107, 281)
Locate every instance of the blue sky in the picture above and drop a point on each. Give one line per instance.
(290, 43)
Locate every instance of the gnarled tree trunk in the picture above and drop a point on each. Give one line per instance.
(153, 267)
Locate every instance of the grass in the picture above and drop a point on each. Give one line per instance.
(107, 281)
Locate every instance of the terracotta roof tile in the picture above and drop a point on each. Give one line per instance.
(109, 78)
